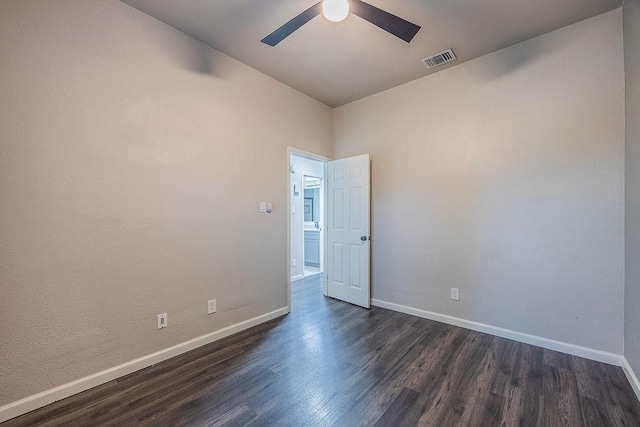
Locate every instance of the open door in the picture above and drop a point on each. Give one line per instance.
(348, 230)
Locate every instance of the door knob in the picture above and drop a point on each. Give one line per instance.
(363, 238)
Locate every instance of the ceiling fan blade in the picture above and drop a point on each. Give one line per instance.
(287, 29)
(395, 25)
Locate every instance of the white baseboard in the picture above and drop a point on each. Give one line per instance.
(631, 376)
(298, 277)
(47, 397)
(576, 350)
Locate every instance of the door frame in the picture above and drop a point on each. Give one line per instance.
(313, 156)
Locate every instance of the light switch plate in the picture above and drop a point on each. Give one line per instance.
(162, 321)
(211, 306)
(263, 207)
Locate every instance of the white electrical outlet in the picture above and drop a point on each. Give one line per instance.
(455, 294)
(162, 320)
(294, 263)
(211, 306)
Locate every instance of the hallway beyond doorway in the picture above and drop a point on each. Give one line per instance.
(311, 271)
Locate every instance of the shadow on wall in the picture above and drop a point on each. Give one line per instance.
(501, 65)
(520, 55)
(195, 57)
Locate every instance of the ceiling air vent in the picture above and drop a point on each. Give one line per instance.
(439, 59)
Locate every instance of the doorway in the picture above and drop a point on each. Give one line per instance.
(313, 224)
(338, 244)
(306, 200)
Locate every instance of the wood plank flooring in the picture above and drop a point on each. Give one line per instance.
(329, 363)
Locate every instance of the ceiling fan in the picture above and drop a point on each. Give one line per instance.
(338, 10)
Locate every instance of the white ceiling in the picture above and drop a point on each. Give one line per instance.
(340, 63)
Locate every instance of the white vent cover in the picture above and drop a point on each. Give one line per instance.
(439, 59)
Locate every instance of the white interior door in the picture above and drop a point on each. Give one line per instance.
(348, 230)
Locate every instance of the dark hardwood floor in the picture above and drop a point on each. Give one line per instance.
(331, 363)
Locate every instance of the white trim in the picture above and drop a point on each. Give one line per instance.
(47, 397)
(631, 376)
(297, 277)
(576, 350)
(307, 154)
(325, 229)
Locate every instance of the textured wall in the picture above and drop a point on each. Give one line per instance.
(132, 163)
(631, 14)
(504, 177)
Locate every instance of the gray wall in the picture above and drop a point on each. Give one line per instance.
(631, 13)
(504, 177)
(130, 184)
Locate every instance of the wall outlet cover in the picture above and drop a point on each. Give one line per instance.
(211, 306)
(455, 294)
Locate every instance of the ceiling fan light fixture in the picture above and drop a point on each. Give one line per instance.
(335, 10)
